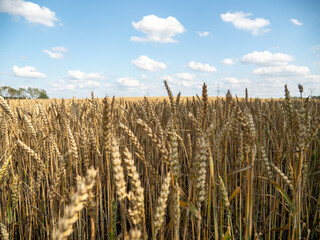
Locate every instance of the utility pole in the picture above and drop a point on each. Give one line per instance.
(311, 91)
(218, 91)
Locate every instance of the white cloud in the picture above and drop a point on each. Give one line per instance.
(185, 76)
(282, 71)
(235, 81)
(184, 79)
(316, 63)
(59, 49)
(276, 68)
(27, 72)
(78, 75)
(266, 58)
(179, 82)
(64, 84)
(228, 61)
(203, 34)
(61, 84)
(128, 82)
(201, 67)
(296, 22)
(143, 76)
(315, 78)
(148, 64)
(242, 21)
(78, 80)
(56, 53)
(88, 84)
(32, 12)
(157, 29)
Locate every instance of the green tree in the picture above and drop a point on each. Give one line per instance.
(4, 91)
(34, 93)
(22, 93)
(31, 92)
(12, 92)
(43, 94)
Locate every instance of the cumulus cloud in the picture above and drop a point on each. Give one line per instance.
(128, 82)
(314, 79)
(179, 82)
(59, 49)
(185, 76)
(184, 79)
(242, 21)
(282, 71)
(76, 79)
(54, 55)
(157, 29)
(89, 84)
(203, 34)
(56, 52)
(228, 61)
(32, 12)
(235, 81)
(266, 58)
(296, 22)
(276, 67)
(200, 67)
(61, 84)
(76, 75)
(148, 64)
(27, 72)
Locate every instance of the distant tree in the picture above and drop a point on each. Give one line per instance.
(22, 93)
(31, 92)
(43, 94)
(35, 93)
(12, 92)
(4, 91)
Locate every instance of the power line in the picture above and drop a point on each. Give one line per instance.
(311, 91)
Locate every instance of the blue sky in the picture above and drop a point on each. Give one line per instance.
(127, 48)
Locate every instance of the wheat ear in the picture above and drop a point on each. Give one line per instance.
(118, 174)
(71, 214)
(4, 231)
(161, 204)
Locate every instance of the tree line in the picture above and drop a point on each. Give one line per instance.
(33, 93)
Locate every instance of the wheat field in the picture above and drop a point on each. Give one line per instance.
(173, 168)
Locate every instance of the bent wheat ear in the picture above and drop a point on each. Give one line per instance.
(35, 156)
(29, 127)
(8, 110)
(77, 204)
(154, 139)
